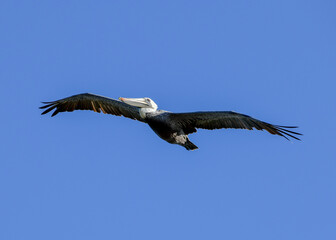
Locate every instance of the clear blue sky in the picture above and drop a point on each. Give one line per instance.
(84, 175)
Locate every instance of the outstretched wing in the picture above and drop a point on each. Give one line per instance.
(88, 101)
(216, 120)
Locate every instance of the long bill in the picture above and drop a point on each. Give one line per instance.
(137, 102)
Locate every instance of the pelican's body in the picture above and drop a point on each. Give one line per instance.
(171, 127)
(168, 130)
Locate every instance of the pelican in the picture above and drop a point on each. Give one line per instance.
(171, 127)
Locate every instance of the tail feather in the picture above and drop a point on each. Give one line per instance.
(189, 145)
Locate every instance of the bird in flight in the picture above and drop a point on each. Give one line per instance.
(171, 127)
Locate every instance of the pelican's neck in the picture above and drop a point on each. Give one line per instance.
(144, 111)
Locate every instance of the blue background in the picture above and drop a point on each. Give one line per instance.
(85, 175)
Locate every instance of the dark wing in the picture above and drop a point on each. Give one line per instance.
(216, 120)
(87, 101)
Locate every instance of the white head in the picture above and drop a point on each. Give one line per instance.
(146, 103)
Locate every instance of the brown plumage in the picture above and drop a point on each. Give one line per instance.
(88, 101)
(228, 119)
